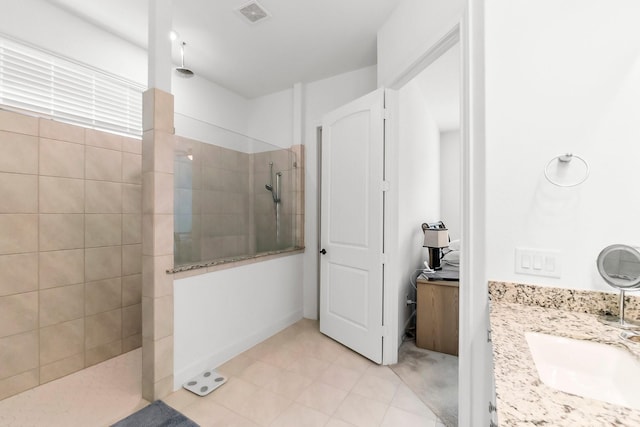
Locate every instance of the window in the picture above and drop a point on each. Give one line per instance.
(42, 82)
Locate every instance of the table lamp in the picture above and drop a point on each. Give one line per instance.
(435, 239)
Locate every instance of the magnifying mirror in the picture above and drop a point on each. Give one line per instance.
(619, 266)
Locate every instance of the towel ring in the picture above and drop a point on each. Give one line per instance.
(565, 159)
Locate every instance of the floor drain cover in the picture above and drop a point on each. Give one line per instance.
(205, 383)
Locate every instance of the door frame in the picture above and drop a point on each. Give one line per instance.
(473, 361)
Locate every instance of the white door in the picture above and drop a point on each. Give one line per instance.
(351, 267)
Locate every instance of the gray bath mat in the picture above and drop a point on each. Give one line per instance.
(158, 414)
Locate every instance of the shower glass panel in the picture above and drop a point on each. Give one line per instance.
(234, 197)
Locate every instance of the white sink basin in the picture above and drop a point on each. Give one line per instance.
(587, 369)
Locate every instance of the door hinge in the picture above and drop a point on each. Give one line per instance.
(386, 114)
(384, 258)
(488, 335)
(386, 186)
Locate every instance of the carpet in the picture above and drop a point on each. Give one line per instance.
(157, 414)
(433, 377)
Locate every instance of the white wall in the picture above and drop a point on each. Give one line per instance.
(270, 118)
(415, 192)
(319, 98)
(40, 23)
(220, 314)
(450, 185)
(413, 27)
(561, 77)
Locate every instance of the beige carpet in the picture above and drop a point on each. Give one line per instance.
(433, 377)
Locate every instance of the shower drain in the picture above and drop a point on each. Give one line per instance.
(205, 383)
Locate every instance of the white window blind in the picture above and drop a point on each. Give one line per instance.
(33, 80)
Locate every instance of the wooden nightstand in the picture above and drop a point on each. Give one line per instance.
(437, 316)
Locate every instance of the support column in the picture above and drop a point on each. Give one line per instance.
(157, 210)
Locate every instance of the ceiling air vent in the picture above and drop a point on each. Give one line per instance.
(253, 12)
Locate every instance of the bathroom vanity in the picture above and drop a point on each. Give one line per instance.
(520, 312)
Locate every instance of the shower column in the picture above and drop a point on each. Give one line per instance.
(157, 210)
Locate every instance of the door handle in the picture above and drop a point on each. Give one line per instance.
(323, 251)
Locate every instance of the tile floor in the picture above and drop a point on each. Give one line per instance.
(297, 378)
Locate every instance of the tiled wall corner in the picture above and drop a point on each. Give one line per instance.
(157, 244)
(70, 252)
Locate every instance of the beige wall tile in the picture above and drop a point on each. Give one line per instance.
(132, 320)
(103, 263)
(18, 313)
(103, 230)
(18, 153)
(18, 233)
(18, 273)
(19, 353)
(61, 131)
(131, 343)
(61, 195)
(163, 317)
(18, 123)
(61, 341)
(132, 168)
(157, 110)
(163, 355)
(163, 234)
(103, 352)
(96, 138)
(18, 383)
(131, 290)
(103, 197)
(103, 295)
(103, 328)
(61, 368)
(131, 145)
(18, 193)
(156, 281)
(61, 231)
(131, 228)
(131, 198)
(59, 268)
(147, 323)
(103, 165)
(131, 259)
(61, 304)
(63, 159)
(163, 387)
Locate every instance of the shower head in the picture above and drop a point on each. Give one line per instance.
(182, 70)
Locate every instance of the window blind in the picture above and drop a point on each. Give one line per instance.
(34, 80)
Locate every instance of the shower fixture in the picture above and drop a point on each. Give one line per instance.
(275, 193)
(182, 70)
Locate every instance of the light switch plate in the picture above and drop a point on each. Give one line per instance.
(538, 262)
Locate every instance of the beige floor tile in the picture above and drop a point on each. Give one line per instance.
(353, 360)
(300, 416)
(322, 397)
(334, 422)
(263, 406)
(235, 366)
(361, 411)
(383, 372)
(260, 373)
(233, 393)
(282, 357)
(375, 388)
(180, 399)
(340, 377)
(397, 417)
(309, 366)
(406, 400)
(259, 350)
(209, 414)
(288, 384)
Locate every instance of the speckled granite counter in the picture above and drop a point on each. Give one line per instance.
(522, 399)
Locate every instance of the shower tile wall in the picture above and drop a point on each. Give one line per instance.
(70, 249)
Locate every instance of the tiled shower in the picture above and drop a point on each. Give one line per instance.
(70, 249)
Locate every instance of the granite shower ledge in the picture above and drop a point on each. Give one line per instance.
(521, 398)
(190, 270)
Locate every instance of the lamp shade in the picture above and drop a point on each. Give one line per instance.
(436, 238)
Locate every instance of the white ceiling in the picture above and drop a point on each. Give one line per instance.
(302, 40)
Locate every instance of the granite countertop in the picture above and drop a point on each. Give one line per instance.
(521, 398)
